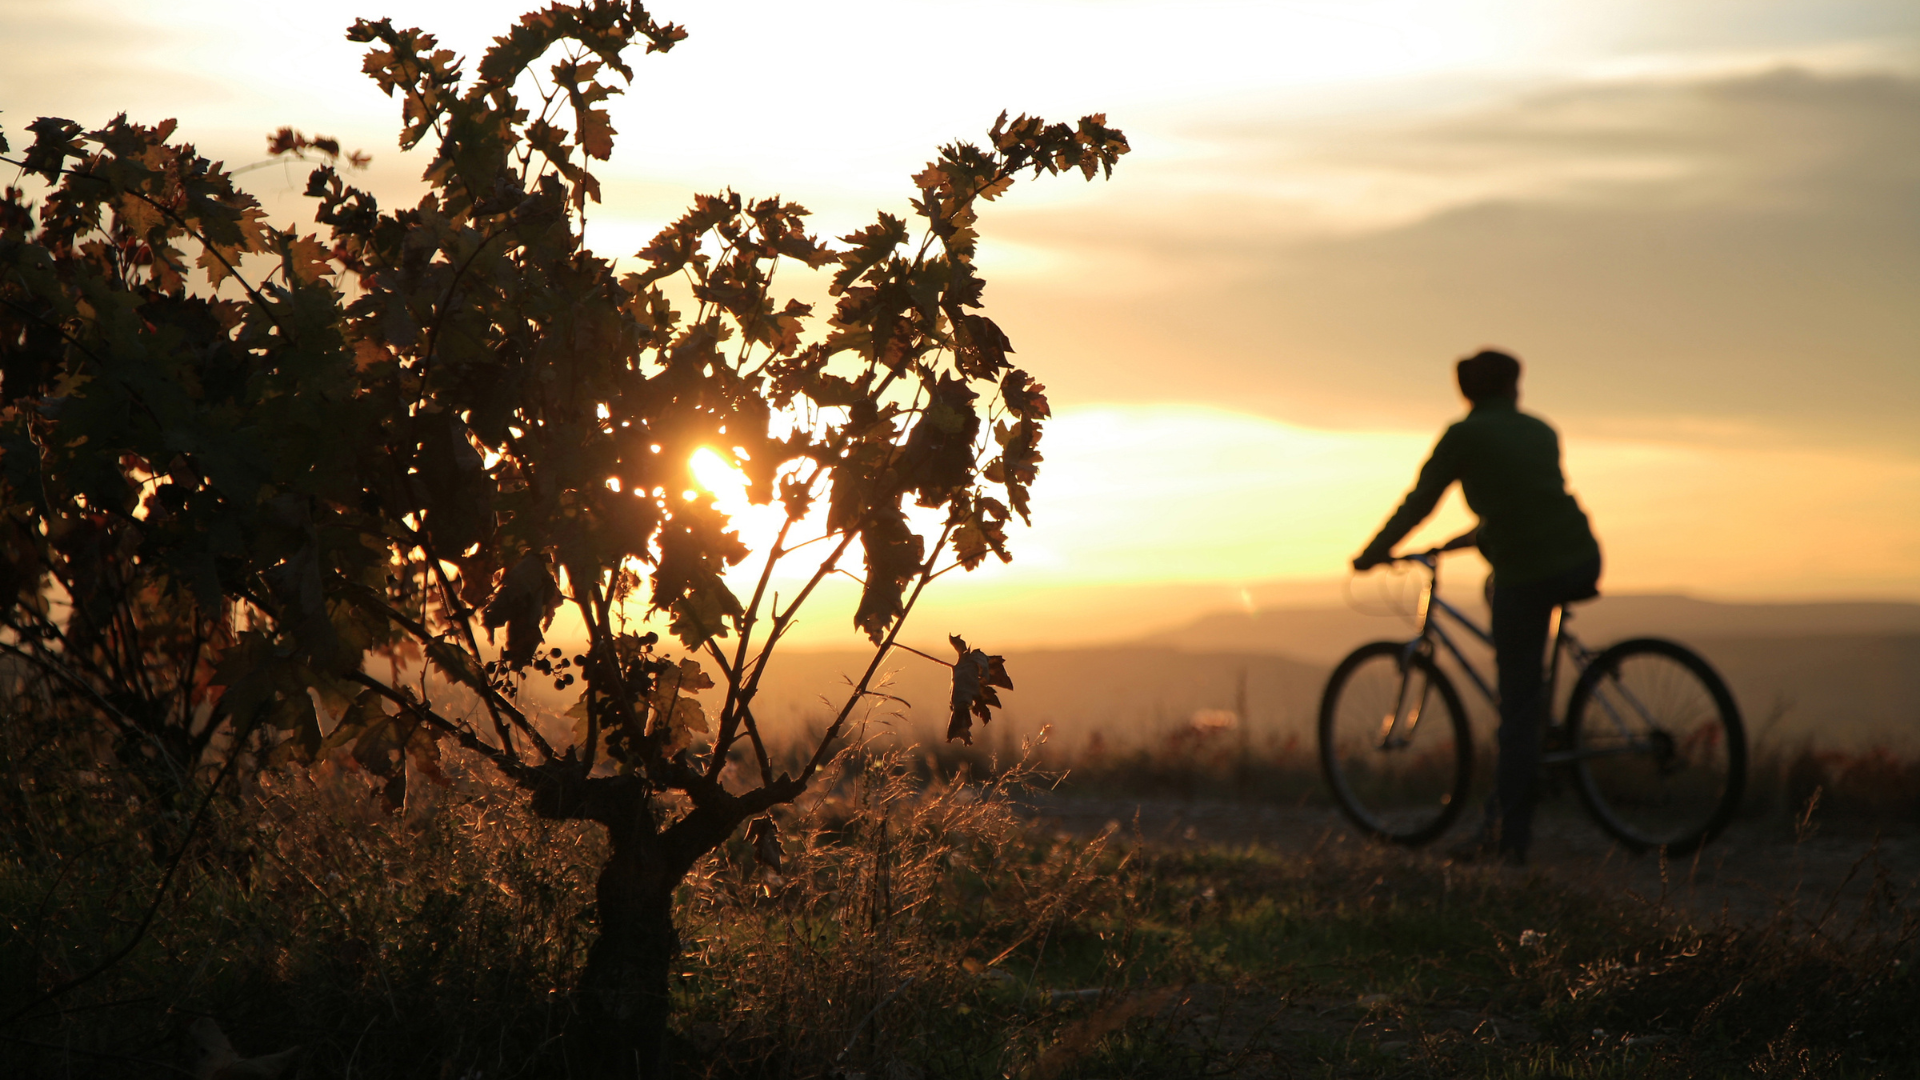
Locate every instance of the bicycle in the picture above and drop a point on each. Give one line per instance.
(1651, 735)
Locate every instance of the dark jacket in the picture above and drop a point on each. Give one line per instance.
(1508, 465)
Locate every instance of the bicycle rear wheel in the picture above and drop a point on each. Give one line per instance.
(1394, 744)
(1659, 755)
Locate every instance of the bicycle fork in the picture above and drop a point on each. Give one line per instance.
(1392, 723)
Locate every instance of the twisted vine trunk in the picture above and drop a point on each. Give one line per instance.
(625, 999)
(624, 988)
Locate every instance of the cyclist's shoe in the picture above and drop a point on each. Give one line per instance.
(1481, 848)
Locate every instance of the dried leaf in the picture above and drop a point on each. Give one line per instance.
(671, 711)
(294, 714)
(596, 133)
(764, 835)
(578, 712)
(975, 677)
(525, 605)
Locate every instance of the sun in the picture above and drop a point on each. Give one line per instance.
(757, 525)
(726, 484)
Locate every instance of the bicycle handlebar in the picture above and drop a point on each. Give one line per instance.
(1431, 556)
(1425, 558)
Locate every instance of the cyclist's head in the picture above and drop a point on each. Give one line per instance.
(1488, 374)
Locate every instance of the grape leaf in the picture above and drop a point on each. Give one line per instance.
(976, 675)
(525, 605)
(893, 556)
(764, 836)
(305, 259)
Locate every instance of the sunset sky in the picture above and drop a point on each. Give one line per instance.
(1698, 223)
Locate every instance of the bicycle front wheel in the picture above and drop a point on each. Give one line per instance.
(1394, 744)
(1658, 753)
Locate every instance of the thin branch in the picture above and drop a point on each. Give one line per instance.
(446, 304)
(917, 652)
(806, 543)
(829, 565)
(456, 607)
(833, 731)
(782, 619)
(183, 683)
(604, 604)
(364, 595)
(511, 766)
(759, 746)
(59, 671)
(948, 569)
(728, 723)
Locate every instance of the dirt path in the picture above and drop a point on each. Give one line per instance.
(1749, 873)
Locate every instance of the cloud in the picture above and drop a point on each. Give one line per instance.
(1699, 223)
(1149, 515)
(1743, 251)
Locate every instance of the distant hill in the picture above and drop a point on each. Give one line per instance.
(1325, 634)
(1842, 691)
(1121, 691)
(1835, 674)
(1842, 674)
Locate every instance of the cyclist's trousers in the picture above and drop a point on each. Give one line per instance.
(1520, 617)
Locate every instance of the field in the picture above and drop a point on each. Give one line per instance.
(956, 915)
(1820, 678)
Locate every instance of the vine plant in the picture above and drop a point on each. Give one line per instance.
(303, 466)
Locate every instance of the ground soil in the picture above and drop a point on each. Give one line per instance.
(1751, 874)
(1748, 873)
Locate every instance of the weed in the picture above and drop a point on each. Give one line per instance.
(905, 922)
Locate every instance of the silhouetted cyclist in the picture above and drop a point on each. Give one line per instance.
(1542, 552)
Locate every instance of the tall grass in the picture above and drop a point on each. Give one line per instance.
(905, 920)
(916, 926)
(302, 914)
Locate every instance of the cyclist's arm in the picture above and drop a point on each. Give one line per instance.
(1442, 469)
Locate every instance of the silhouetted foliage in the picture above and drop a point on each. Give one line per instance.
(417, 437)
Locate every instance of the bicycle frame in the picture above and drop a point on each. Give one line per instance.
(1648, 699)
(1564, 645)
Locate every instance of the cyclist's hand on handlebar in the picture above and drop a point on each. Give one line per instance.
(1369, 559)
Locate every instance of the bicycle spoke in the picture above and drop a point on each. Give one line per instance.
(1396, 772)
(1657, 748)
